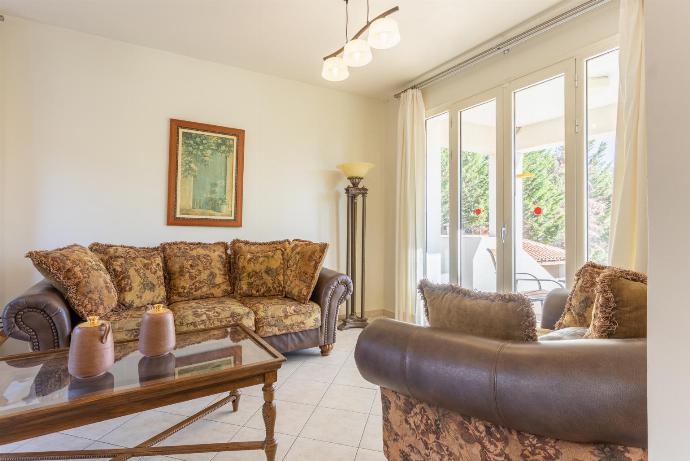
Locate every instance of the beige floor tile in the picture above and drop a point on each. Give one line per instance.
(247, 434)
(189, 407)
(376, 408)
(248, 406)
(10, 447)
(369, 455)
(97, 430)
(290, 417)
(316, 450)
(141, 427)
(372, 439)
(201, 432)
(56, 441)
(301, 391)
(99, 446)
(311, 371)
(338, 426)
(350, 376)
(349, 398)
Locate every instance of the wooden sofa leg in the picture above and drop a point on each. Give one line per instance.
(326, 349)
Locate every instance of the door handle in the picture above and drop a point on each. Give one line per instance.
(504, 232)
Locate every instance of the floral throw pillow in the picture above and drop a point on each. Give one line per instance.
(196, 270)
(139, 280)
(304, 261)
(578, 307)
(238, 247)
(261, 274)
(80, 276)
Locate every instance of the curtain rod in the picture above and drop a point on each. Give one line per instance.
(505, 45)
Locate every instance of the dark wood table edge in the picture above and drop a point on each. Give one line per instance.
(138, 399)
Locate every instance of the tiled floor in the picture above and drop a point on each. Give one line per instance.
(326, 411)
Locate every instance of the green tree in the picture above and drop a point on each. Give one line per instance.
(475, 193)
(599, 194)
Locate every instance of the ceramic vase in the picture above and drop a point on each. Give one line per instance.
(157, 331)
(91, 351)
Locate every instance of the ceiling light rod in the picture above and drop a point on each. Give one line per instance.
(364, 29)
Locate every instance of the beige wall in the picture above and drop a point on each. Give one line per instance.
(668, 99)
(85, 149)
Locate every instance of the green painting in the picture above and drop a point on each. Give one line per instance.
(207, 177)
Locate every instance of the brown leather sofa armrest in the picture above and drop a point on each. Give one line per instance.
(40, 316)
(332, 289)
(583, 390)
(554, 305)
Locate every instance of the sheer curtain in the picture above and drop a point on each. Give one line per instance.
(628, 247)
(410, 206)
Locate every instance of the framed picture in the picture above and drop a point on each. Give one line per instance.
(205, 175)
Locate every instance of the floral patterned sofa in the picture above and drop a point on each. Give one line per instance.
(277, 289)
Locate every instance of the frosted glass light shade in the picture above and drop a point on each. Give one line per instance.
(355, 169)
(334, 69)
(357, 53)
(383, 34)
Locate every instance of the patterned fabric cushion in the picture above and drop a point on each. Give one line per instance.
(238, 247)
(106, 250)
(139, 280)
(578, 307)
(304, 261)
(196, 270)
(80, 276)
(620, 309)
(260, 274)
(415, 431)
(275, 316)
(507, 316)
(189, 316)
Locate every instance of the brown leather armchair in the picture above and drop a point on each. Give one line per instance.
(450, 396)
(42, 316)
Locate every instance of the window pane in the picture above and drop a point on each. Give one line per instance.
(437, 198)
(602, 102)
(478, 197)
(539, 180)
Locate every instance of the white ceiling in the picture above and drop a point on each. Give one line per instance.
(288, 38)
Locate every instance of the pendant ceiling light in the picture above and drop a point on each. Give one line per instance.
(383, 34)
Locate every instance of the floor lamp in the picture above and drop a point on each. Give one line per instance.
(355, 172)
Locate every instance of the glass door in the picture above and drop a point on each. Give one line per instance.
(541, 222)
(437, 255)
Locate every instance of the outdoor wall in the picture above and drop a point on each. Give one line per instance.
(84, 156)
(668, 99)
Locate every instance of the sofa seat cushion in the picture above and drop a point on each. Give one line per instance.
(275, 315)
(564, 334)
(189, 316)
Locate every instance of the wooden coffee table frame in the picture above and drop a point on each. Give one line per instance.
(99, 407)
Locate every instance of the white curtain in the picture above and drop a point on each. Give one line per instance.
(410, 209)
(628, 247)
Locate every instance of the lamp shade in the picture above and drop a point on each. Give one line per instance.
(355, 169)
(334, 69)
(357, 53)
(383, 33)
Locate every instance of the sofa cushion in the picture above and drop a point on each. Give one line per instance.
(238, 247)
(578, 307)
(106, 250)
(189, 316)
(80, 276)
(139, 280)
(304, 261)
(564, 333)
(260, 274)
(275, 315)
(620, 309)
(507, 316)
(196, 270)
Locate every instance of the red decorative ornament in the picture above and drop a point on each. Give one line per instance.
(478, 211)
(537, 211)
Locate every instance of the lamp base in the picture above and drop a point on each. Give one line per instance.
(353, 321)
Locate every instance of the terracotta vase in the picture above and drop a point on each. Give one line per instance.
(157, 331)
(91, 351)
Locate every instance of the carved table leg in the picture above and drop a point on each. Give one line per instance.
(236, 403)
(326, 349)
(269, 413)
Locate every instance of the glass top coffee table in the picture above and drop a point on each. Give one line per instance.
(38, 396)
